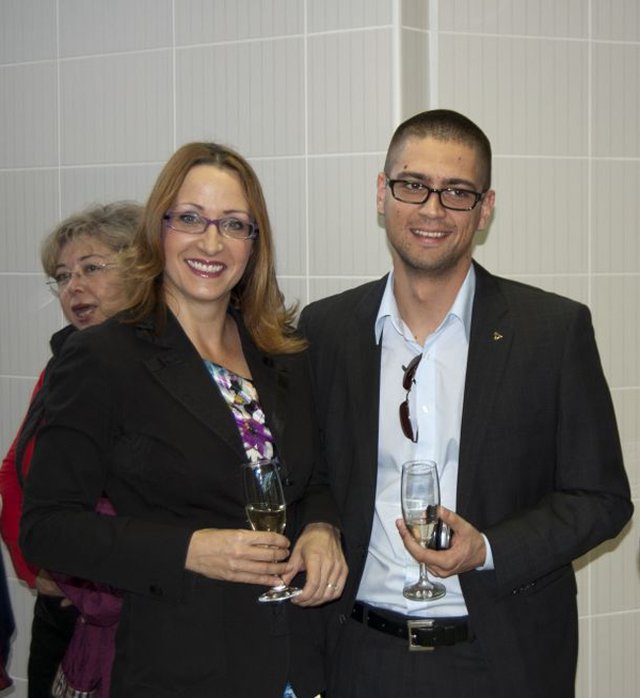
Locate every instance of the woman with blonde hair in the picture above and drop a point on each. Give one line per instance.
(81, 258)
(203, 372)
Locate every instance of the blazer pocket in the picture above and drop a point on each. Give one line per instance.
(153, 629)
(146, 457)
(560, 577)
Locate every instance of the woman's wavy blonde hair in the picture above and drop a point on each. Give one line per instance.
(256, 296)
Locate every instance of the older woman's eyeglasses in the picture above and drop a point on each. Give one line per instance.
(87, 271)
(408, 379)
(192, 223)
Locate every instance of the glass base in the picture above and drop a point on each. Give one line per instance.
(424, 590)
(279, 593)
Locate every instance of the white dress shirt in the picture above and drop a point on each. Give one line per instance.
(435, 403)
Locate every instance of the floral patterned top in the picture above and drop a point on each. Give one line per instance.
(242, 397)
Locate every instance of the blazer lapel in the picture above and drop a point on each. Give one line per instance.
(271, 379)
(181, 371)
(489, 346)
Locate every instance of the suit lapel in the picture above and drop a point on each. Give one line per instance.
(178, 368)
(489, 346)
(271, 379)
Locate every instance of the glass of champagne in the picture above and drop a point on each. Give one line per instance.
(267, 511)
(420, 500)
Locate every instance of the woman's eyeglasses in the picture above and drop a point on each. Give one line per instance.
(193, 223)
(408, 379)
(88, 271)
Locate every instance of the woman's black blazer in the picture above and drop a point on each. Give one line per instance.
(135, 414)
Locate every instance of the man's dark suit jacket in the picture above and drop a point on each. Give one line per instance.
(540, 468)
(138, 416)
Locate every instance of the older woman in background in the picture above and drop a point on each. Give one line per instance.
(81, 258)
(158, 408)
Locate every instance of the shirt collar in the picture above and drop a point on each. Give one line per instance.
(461, 309)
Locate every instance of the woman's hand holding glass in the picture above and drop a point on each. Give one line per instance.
(266, 510)
(255, 556)
(238, 555)
(318, 552)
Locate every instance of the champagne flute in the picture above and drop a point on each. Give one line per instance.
(420, 500)
(267, 511)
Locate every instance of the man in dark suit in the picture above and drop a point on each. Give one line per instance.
(500, 384)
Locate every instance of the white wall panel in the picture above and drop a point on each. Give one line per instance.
(415, 13)
(15, 393)
(615, 202)
(617, 322)
(28, 115)
(583, 678)
(350, 95)
(284, 185)
(29, 315)
(414, 74)
(83, 186)
(321, 287)
(540, 223)
(627, 404)
(616, 20)
(89, 27)
(29, 206)
(613, 662)
(529, 95)
(616, 100)
(294, 290)
(28, 30)
(205, 22)
(575, 287)
(330, 15)
(117, 108)
(567, 18)
(248, 95)
(345, 238)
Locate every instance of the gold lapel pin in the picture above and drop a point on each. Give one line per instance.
(497, 336)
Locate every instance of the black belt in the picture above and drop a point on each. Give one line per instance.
(422, 633)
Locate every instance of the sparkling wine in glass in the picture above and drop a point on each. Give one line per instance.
(267, 511)
(420, 500)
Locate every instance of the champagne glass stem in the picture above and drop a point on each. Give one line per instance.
(424, 579)
(281, 586)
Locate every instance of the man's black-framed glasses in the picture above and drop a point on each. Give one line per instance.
(193, 223)
(408, 379)
(410, 191)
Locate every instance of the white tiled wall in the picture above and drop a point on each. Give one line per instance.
(95, 95)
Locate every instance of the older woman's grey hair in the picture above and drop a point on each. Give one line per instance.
(112, 224)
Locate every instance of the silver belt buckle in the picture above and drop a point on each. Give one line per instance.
(415, 625)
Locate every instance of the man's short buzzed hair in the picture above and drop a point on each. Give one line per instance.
(443, 125)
